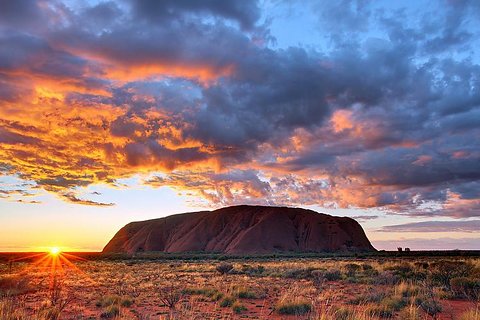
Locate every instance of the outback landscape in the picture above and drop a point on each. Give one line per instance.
(242, 262)
(196, 287)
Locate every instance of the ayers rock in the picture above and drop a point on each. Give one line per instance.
(242, 230)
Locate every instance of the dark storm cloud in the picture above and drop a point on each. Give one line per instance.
(20, 13)
(246, 13)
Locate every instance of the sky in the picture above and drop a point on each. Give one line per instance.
(119, 111)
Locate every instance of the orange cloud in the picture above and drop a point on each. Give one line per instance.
(342, 120)
(204, 74)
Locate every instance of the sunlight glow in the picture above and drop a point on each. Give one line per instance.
(54, 251)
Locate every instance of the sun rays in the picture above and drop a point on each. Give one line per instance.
(54, 262)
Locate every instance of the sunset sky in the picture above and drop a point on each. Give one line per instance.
(118, 111)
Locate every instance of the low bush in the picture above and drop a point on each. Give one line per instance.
(465, 287)
(352, 269)
(227, 301)
(253, 271)
(212, 293)
(298, 308)
(224, 268)
(431, 306)
(333, 275)
(244, 293)
(238, 307)
(381, 312)
(111, 311)
(443, 271)
(14, 285)
(298, 273)
(112, 300)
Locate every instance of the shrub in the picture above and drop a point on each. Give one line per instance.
(13, 285)
(372, 296)
(465, 287)
(297, 308)
(227, 301)
(298, 273)
(113, 300)
(333, 275)
(208, 292)
(429, 305)
(394, 303)
(382, 312)
(318, 279)
(387, 278)
(244, 293)
(170, 296)
(253, 271)
(238, 307)
(352, 269)
(405, 271)
(112, 311)
(443, 271)
(224, 268)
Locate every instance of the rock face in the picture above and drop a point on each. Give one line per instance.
(243, 230)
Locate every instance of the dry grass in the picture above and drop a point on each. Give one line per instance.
(281, 289)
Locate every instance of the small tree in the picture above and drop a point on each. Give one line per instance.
(170, 296)
(224, 268)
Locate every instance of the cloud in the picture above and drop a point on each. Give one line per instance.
(187, 94)
(365, 217)
(435, 226)
(72, 197)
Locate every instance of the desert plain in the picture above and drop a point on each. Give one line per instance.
(148, 286)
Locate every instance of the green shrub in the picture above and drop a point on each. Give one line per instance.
(224, 268)
(207, 292)
(227, 301)
(387, 278)
(126, 302)
(406, 271)
(381, 312)
(108, 301)
(333, 275)
(297, 308)
(299, 273)
(371, 296)
(465, 287)
(352, 269)
(394, 303)
(246, 294)
(253, 271)
(443, 271)
(429, 305)
(238, 307)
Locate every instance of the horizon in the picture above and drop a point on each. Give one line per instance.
(113, 112)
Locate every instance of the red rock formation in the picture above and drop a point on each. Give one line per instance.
(243, 230)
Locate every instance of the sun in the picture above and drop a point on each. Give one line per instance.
(55, 251)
